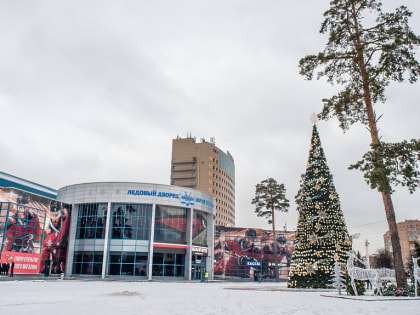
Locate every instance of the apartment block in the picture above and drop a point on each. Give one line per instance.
(409, 232)
(203, 166)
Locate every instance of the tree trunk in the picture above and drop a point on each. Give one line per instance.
(389, 208)
(395, 240)
(386, 197)
(276, 263)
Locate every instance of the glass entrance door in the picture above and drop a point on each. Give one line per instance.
(196, 272)
(198, 266)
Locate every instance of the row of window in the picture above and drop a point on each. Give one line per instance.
(129, 264)
(221, 171)
(133, 221)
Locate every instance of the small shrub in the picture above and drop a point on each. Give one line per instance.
(392, 290)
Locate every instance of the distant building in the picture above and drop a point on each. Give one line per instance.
(372, 259)
(203, 166)
(409, 232)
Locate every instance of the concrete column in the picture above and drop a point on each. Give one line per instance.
(188, 254)
(151, 241)
(211, 217)
(72, 240)
(106, 240)
(210, 244)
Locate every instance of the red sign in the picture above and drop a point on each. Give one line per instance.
(169, 245)
(24, 263)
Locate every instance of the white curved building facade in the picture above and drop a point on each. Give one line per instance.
(123, 229)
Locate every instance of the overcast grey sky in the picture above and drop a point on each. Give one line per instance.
(96, 91)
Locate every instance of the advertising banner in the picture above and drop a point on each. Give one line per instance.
(249, 253)
(33, 229)
(24, 263)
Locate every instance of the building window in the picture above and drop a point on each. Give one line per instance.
(87, 262)
(199, 228)
(168, 265)
(131, 221)
(170, 224)
(91, 220)
(128, 264)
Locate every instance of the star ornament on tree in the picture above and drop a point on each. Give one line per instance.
(312, 238)
(309, 267)
(314, 118)
(322, 214)
(336, 257)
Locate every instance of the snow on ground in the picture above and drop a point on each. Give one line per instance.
(120, 297)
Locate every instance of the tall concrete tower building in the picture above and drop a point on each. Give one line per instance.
(203, 166)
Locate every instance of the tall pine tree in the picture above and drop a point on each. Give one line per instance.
(321, 236)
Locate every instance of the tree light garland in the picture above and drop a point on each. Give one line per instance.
(321, 235)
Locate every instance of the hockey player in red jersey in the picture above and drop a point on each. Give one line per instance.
(23, 229)
(55, 244)
(232, 254)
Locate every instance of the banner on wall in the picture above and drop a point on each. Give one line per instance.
(248, 252)
(33, 229)
(24, 263)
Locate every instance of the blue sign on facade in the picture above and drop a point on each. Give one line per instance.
(186, 200)
(253, 263)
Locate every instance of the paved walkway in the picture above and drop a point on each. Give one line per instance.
(29, 277)
(272, 288)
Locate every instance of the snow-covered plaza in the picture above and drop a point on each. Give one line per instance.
(119, 297)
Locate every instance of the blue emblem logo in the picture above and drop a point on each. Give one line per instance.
(187, 200)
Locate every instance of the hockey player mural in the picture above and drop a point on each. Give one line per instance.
(249, 253)
(54, 247)
(32, 229)
(23, 225)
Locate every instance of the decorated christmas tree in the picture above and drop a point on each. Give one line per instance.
(321, 235)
